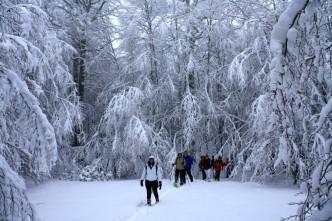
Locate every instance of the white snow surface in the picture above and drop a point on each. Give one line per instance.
(124, 201)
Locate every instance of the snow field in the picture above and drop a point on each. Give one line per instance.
(122, 201)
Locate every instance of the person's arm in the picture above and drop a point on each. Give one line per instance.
(159, 173)
(174, 162)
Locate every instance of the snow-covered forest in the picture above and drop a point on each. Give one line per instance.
(90, 88)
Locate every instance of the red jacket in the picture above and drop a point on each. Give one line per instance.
(217, 166)
(201, 164)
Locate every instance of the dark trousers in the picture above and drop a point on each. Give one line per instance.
(203, 174)
(151, 186)
(217, 175)
(182, 175)
(188, 172)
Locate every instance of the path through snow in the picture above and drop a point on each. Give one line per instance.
(119, 201)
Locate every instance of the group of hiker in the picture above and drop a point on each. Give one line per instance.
(183, 163)
(207, 166)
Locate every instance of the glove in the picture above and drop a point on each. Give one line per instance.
(159, 184)
(142, 183)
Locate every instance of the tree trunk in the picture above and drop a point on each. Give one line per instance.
(79, 69)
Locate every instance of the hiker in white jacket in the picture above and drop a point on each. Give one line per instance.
(152, 176)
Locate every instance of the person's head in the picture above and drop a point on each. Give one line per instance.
(212, 157)
(219, 158)
(206, 156)
(151, 160)
(179, 154)
(202, 157)
(185, 153)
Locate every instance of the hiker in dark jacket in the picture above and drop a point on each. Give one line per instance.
(201, 167)
(188, 162)
(179, 170)
(152, 176)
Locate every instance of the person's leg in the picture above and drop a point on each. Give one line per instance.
(218, 175)
(208, 177)
(182, 177)
(203, 174)
(148, 191)
(177, 176)
(190, 175)
(155, 190)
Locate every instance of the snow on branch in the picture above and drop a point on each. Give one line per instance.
(123, 105)
(20, 108)
(192, 115)
(326, 110)
(279, 40)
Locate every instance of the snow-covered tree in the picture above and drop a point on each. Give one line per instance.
(88, 27)
(38, 106)
(123, 140)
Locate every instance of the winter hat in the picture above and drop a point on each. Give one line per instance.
(151, 157)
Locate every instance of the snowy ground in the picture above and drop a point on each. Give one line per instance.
(122, 201)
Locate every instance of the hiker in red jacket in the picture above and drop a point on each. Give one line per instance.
(217, 166)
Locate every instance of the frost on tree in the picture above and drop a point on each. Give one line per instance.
(301, 87)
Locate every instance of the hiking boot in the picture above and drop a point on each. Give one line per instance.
(149, 202)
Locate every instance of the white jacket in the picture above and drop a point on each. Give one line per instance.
(152, 173)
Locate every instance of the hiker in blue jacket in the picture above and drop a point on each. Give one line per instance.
(188, 162)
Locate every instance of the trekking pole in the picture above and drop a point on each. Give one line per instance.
(188, 179)
(172, 174)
